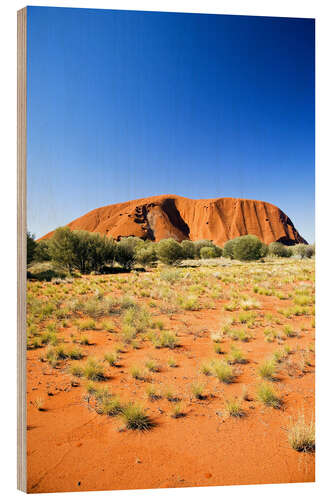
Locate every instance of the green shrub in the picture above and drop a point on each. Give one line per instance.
(45, 271)
(249, 247)
(81, 250)
(303, 250)
(246, 248)
(42, 251)
(169, 251)
(199, 244)
(62, 247)
(228, 249)
(279, 250)
(310, 251)
(101, 250)
(125, 253)
(31, 246)
(207, 253)
(188, 248)
(145, 254)
(218, 251)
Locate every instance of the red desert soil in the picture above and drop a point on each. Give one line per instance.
(171, 216)
(71, 447)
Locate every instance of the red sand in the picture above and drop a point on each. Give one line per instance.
(71, 448)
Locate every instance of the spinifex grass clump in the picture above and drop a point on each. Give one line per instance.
(164, 339)
(111, 358)
(158, 324)
(177, 411)
(172, 363)
(206, 368)
(136, 418)
(279, 356)
(234, 408)
(303, 300)
(223, 372)
(287, 350)
(34, 343)
(107, 404)
(236, 356)
(93, 370)
(267, 395)
(267, 369)
(217, 337)
(76, 370)
(86, 324)
(137, 373)
(295, 311)
(95, 307)
(248, 304)
(240, 335)
(189, 303)
(301, 436)
(128, 334)
(39, 404)
(247, 318)
(245, 393)
(217, 348)
(138, 318)
(56, 354)
(171, 396)
(152, 393)
(231, 306)
(198, 390)
(84, 340)
(108, 326)
(110, 407)
(49, 338)
(152, 365)
(288, 331)
(91, 388)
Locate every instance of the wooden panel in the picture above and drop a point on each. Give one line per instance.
(21, 245)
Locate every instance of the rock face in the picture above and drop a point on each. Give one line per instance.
(171, 216)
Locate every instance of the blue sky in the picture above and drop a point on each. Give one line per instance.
(124, 105)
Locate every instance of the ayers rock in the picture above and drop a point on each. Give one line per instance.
(171, 216)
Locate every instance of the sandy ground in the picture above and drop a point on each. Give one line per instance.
(73, 448)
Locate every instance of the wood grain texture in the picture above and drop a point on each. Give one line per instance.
(21, 246)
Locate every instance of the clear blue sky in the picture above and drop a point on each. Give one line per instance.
(124, 105)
